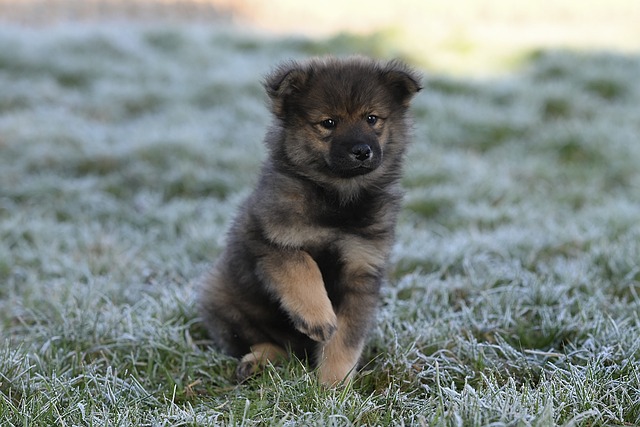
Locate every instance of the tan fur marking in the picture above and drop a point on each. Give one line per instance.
(363, 256)
(261, 355)
(295, 236)
(337, 362)
(297, 280)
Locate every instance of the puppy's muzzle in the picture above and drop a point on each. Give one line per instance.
(361, 152)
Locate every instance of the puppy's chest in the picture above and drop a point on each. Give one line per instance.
(344, 262)
(322, 225)
(366, 212)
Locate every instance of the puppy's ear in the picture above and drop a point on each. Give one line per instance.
(287, 80)
(403, 81)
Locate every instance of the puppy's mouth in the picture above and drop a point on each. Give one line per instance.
(348, 168)
(360, 170)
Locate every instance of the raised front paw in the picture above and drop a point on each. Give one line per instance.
(319, 328)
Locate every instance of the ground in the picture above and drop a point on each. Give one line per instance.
(124, 150)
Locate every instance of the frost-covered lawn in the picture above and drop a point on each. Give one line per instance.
(513, 297)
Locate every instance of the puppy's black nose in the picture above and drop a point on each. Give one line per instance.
(361, 152)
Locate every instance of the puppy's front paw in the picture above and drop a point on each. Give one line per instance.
(319, 329)
(246, 369)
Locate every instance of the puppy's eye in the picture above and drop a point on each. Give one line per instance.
(328, 123)
(371, 119)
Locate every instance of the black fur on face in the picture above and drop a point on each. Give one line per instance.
(354, 150)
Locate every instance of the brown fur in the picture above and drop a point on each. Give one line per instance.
(307, 253)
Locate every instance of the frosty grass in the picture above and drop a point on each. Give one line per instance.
(513, 293)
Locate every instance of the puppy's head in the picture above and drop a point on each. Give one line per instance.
(340, 118)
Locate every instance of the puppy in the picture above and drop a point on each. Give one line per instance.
(307, 252)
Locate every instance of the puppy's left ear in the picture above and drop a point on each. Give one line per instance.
(403, 81)
(286, 80)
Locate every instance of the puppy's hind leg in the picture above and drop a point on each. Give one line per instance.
(260, 355)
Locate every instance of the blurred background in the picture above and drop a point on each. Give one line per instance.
(458, 36)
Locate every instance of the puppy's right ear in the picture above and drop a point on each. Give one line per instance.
(287, 80)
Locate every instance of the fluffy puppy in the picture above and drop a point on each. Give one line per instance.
(308, 250)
